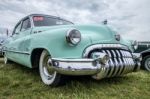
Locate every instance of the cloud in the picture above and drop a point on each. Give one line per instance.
(131, 18)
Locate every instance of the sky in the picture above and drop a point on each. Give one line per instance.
(130, 18)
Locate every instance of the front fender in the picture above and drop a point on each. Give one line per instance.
(55, 42)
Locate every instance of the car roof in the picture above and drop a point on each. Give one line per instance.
(31, 15)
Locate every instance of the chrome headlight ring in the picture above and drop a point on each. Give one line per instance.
(73, 37)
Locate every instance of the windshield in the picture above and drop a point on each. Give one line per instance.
(49, 21)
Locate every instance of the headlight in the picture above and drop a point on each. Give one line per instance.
(73, 36)
(135, 44)
(117, 37)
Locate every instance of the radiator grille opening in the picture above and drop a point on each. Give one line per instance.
(121, 61)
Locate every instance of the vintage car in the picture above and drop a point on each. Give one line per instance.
(143, 47)
(58, 48)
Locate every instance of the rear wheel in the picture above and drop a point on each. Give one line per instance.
(48, 75)
(146, 63)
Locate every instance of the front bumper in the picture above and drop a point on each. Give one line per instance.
(100, 67)
(79, 66)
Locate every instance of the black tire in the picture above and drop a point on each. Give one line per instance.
(146, 63)
(48, 75)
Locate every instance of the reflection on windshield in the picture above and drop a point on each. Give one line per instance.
(49, 21)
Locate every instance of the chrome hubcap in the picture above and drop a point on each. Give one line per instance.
(47, 68)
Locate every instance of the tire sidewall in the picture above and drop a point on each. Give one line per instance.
(43, 77)
(145, 59)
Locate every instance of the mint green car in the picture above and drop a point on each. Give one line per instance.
(59, 48)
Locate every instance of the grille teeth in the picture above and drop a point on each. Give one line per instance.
(121, 62)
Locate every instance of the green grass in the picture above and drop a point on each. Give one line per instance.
(17, 82)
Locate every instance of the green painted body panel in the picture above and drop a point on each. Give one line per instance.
(53, 39)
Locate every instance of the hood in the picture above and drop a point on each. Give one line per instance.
(96, 33)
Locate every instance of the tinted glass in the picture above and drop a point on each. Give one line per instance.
(18, 27)
(26, 24)
(49, 21)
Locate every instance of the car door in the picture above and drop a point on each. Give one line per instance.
(12, 41)
(25, 36)
(18, 47)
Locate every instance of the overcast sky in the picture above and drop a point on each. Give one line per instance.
(131, 18)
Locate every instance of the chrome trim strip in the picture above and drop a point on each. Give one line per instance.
(112, 68)
(128, 67)
(132, 64)
(109, 53)
(73, 60)
(117, 67)
(118, 53)
(17, 52)
(107, 69)
(114, 53)
(99, 46)
(121, 66)
(124, 70)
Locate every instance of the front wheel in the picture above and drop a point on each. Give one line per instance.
(48, 75)
(146, 63)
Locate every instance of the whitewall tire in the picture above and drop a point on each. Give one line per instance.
(48, 75)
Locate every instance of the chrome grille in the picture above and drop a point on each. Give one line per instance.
(121, 61)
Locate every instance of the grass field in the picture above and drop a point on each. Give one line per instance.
(17, 82)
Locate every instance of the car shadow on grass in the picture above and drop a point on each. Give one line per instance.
(89, 79)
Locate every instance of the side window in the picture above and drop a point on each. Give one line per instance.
(17, 29)
(26, 24)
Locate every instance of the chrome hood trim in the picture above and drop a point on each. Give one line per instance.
(99, 46)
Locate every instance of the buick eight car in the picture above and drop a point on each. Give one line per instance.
(59, 47)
